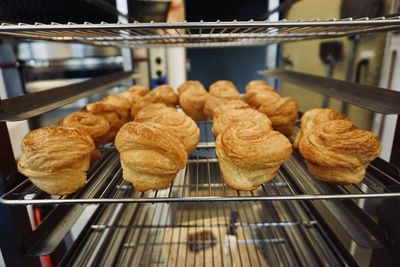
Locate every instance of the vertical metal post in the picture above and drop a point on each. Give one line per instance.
(14, 222)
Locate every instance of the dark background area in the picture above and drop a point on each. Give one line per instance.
(239, 65)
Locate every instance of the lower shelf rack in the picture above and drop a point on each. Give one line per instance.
(201, 181)
(180, 234)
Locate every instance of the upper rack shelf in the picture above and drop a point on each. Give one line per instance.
(198, 34)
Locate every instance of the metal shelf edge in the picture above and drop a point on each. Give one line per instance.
(374, 98)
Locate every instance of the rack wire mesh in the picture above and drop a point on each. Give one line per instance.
(161, 235)
(201, 181)
(198, 34)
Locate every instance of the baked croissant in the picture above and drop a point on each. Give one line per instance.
(144, 102)
(130, 96)
(114, 115)
(257, 83)
(224, 120)
(150, 155)
(192, 97)
(233, 104)
(282, 112)
(315, 117)
(139, 90)
(56, 158)
(152, 110)
(166, 95)
(338, 152)
(256, 96)
(220, 92)
(121, 103)
(182, 126)
(95, 126)
(250, 154)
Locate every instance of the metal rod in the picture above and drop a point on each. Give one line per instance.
(366, 96)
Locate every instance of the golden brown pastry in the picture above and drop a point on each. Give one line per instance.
(192, 97)
(56, 158)
(315, 117)
(282, 112)
(233, 104)
(144, 102)
(338, 152)
(114, 115)
(250, 154)
(166, 94)
(182, 126)
(152, 110)
(130, 96)
(258, 95)
(120, 102)
(150, 155)
(224, 120)
(139, 89)
(257, 84)
(220, 92)
(95, 126)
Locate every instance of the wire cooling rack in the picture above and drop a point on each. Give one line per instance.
(198, 34)
(201, 181)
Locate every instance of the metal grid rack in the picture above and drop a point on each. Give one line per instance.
(243, 234)
(197, 34)
(201, 181)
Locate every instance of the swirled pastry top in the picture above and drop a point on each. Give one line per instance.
(139, 89)
(182, 126)
(224, 120)
(224, 89)
(314, 117)
(192, 97)
(166, 95)
(282, 110)
(196, 86)
(339, 143)
(253, 145)
(95, 126)
(258, 95)
(130, 96)
(110, 112)
(54, 149)
(120, 102)
(152, 110)
(258, 84)
(233, 104)
(140, 143)
(143, 102)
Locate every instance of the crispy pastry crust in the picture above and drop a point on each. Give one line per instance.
(182, 126)
(94, 125)
(250, 154)
(56, 158)
(338, 152)
(220, 92)
(224, 120)
(150, 155)
(192, 97)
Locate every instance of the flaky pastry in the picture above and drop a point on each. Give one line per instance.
(233, 104)
(225, 119)
(150, 155)
(338, 152)
(250, 154)
(152, 110)
(192, 97)
(315, 117)
(220, 92)
(94, 125)
(56, 158)
(182, 126)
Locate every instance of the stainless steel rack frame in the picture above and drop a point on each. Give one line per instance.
(197, 34)
(201, 181)
(157, 235)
